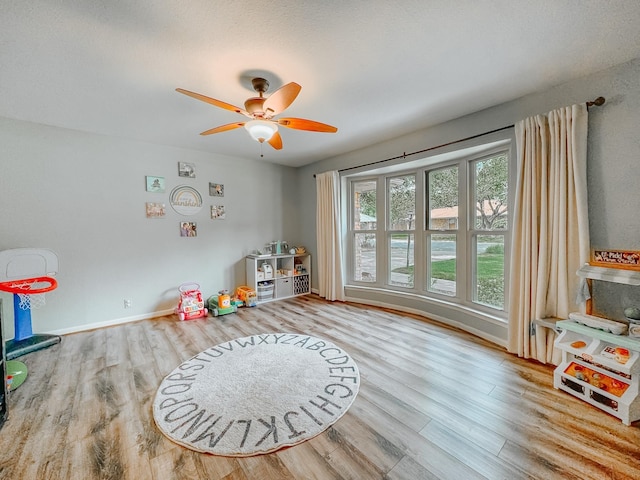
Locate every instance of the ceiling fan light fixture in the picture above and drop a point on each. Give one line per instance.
(261, 130)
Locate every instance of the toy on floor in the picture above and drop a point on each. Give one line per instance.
(190, 305)
(28, 274)
(221, 304)
(247, 296)
(16, 374)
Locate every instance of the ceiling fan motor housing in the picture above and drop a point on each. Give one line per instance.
(253, 105)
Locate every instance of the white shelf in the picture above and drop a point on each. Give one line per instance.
(627, 406)
(283, 281)
(615, 275)
(619, 340)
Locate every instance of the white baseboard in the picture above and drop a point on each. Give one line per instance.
(111, 323)
(145, 316)
(438, 318)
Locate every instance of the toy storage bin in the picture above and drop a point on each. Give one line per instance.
(265, 291)
(301, 284)
(284, 287)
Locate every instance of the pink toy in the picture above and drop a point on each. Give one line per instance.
(191, 304)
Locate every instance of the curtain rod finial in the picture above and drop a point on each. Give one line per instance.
(598, 102)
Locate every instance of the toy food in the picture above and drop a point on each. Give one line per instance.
(578, 344)
(622, 355)
(597, 379)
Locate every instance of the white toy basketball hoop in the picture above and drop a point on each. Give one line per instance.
(28, 274)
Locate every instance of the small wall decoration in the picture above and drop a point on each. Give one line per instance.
(188, 229)
(155, 184)
(217, 212)
(187, 170)
(216, 189)
(185, 200)
(625, 259)
(155, 210)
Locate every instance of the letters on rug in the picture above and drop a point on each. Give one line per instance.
(256, 394)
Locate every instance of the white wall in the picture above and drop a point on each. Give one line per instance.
(613, 172)
(83, 196)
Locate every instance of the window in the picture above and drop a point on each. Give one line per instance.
(442, 230)
(363, 228)
(401, 192)
(445, 228)
(490, 224)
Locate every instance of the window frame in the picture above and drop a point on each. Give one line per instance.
(475, 232)
(465, 159)
(351, 243)
(389, 231)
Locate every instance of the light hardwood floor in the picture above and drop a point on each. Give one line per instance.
(434, 403)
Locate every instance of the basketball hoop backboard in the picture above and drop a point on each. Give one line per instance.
(25, 263)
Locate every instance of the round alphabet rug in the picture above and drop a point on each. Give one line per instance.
(256, 394)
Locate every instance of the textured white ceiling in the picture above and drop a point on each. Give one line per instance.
(375, 69)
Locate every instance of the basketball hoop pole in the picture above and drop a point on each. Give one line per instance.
(21, 320)
(24, 340)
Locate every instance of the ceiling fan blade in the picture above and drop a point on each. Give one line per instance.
(275, 141)
(213, 101)
(279, 100)
(303, 124)
(223, 128)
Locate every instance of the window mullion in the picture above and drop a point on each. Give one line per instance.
(465, 267)
(381, 232)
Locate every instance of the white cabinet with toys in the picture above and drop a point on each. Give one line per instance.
(600, 368)
(275, 277)
(601, 357)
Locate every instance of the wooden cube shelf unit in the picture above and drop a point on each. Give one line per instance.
(275, 277)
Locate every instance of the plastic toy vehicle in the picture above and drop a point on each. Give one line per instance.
(247, 296)
(191, 304)
(221, 304)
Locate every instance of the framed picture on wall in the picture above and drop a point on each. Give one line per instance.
(186, 169)
(216, 189)
(155, 210)
(624, 259)
(217, 212)
(188, 229)
(155, 184)
(185, 200)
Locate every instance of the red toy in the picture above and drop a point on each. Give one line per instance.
(191, 304)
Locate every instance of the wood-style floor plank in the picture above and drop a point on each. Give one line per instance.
(434, 403)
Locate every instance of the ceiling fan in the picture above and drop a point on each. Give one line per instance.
(261, 110)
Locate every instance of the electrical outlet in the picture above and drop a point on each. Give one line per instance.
(127, 303)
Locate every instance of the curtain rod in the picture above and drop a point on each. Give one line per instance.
(597, 102)
(405, 154)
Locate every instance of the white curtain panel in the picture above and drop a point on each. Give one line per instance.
(330, 278)
(551, 227)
